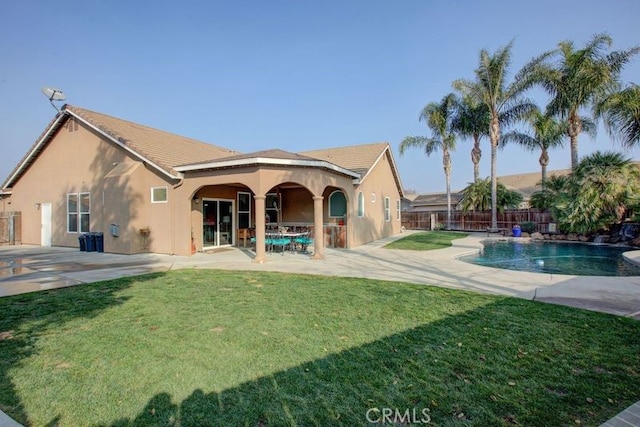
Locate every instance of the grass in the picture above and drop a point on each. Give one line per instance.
(426, 241)
(197, 347)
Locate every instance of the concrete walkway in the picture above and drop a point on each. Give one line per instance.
(30, 269)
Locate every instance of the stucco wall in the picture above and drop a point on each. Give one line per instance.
(373, 226)
(77, 160)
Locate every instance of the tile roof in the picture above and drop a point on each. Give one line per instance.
(168, 151)
(436, 199)
(165, 149)
(527, 183)
(33, 152)
(357, 158)
(268, 154)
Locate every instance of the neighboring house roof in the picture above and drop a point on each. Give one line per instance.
(358, 158)
(524, 183)
(160, 149)
(527, 183)
(436, 199)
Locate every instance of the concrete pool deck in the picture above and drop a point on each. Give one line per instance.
(32, 268)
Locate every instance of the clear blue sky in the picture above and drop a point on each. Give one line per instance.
(295, 75)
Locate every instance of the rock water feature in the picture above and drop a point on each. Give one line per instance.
(627, 233)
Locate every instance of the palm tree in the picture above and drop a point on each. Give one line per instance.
(504, 102)
(621, 112)
(547, 133)
(438, 117)
(578, 79)
(599, 191)
(472, 120)
(553, 193)
(477, 196)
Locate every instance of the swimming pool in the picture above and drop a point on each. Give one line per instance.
(554, 257)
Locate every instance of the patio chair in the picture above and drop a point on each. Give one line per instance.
(304, 241)
(280, 241)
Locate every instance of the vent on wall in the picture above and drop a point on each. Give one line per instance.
(72, 125)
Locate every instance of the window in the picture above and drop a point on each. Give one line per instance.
(387, 209)
(337, 205)
(360, 204)
(398, 209)
(272, 206)
(244, 210)
(373, 197)
(159, 195)
(78, 212)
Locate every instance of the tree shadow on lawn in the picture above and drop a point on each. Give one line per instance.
(486, 366)
(25, 317)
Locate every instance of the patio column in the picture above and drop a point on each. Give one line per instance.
(260, 229)
(318, 231)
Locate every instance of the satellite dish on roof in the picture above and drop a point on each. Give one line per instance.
(54, 95)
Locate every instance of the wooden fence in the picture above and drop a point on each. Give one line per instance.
(10, 228)
(476, 221)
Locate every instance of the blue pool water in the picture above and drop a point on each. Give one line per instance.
(555, 257)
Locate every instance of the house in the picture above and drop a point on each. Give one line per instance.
(150, 190)
(434, 202)
(528, 183)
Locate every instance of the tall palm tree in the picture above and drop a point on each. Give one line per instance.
(438, 117)
(578, 78)
(472, 120)
(547, 133)
(621, 112)
(503, 100)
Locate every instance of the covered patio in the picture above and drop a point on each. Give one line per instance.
(271, 192)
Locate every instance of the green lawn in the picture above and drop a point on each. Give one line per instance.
(197, 347)
(428, 240)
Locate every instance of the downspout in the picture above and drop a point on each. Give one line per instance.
(173, 215)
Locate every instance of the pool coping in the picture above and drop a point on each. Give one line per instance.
(631, 255)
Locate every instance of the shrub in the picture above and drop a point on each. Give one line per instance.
(528, 226)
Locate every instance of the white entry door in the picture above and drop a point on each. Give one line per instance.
(45, 231)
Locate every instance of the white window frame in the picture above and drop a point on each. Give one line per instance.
(79, 213)
(360, 204)
(387, 209)
(166, 192)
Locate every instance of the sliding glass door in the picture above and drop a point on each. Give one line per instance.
(217, 222)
